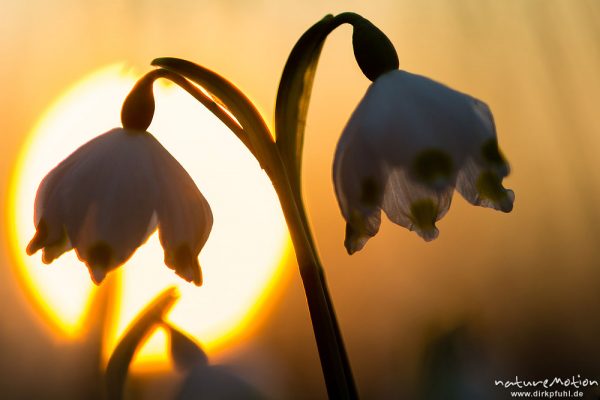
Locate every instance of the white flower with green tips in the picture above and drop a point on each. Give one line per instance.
(108, 196)
(408, 144)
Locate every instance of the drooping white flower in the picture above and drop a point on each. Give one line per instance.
(108, 196)
(408, 144)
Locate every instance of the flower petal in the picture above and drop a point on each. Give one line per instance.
(184, 216)
(360, 229)
(51, 238)
(413, 205)
(482, 186)
(404, 114)
(50, 233)
(110, 195)
(47, 198)
(413, 140)
(480, 179)
(359, 182)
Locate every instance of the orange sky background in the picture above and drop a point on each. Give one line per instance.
(524, 285)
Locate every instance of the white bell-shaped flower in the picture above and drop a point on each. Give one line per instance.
(108, 196)
(408, 144)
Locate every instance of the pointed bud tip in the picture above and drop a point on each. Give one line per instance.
(39, 238)
(47, 259)
(198, 279)
(32, 248)
(429, 235)
(97, 274)
(354, 241)
(191, 274)
(507, 204)
(185, 264)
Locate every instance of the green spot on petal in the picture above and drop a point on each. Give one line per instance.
(491, 153)
(490, 186)
(370, 193)
(99, 255)
(424, 214)
(433, 166)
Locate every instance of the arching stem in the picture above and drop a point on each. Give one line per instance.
(332, 353)
(208, 102)
(256, 136)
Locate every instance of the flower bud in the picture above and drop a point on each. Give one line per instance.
(138, 107)
(373, 50)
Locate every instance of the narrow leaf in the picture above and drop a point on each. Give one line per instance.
(138, 331)
(185, 352)
(294, 92)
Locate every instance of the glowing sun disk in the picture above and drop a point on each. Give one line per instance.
(242, 260)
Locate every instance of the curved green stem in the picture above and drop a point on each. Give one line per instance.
(332, 353)
(318, 266)
(196, 93)
(257, 132)
(334, 362)
(295, 86)
(290, 119)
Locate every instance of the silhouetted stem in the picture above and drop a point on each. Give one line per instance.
(300, 67)
(204, 99)
(252, 131)
(332, 353)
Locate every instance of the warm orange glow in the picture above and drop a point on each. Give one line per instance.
(242, 261)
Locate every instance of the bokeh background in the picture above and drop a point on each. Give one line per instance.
(493, 297)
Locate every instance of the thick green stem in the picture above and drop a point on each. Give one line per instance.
(328, 300)
(334, 361)
(255, 134)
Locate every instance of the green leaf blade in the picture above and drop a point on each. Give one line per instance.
(294, 92)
